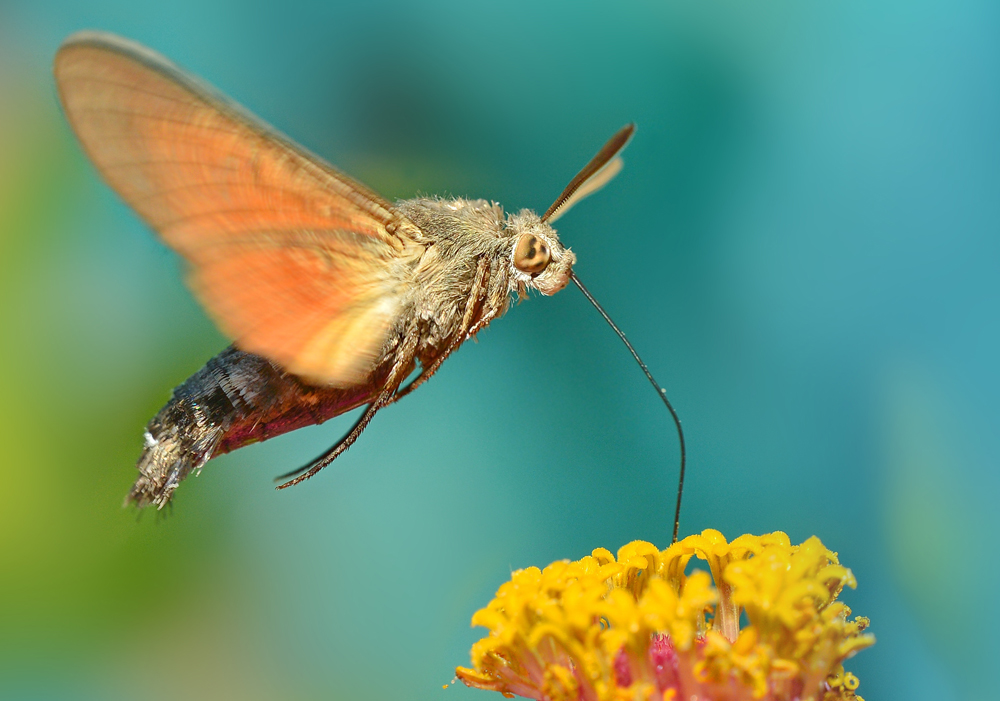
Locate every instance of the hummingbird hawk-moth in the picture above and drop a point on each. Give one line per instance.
(332, 295)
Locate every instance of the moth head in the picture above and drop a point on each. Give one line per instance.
(537, 252)
(537, 258)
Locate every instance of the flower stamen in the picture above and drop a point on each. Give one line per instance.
(635, 626)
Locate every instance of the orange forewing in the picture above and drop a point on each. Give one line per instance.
(291, 258)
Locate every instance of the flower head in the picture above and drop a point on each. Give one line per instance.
(637, 627)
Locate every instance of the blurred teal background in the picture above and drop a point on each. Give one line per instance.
(804, 246)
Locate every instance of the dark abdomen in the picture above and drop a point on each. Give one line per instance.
(236, 399)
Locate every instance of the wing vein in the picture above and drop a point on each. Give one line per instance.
(189, 99)
(289, 256)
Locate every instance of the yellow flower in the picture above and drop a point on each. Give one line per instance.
(635, 627)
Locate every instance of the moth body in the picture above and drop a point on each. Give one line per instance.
(460, 236)
(332, 295)
(240, 398)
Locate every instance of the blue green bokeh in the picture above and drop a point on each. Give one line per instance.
(804, 245)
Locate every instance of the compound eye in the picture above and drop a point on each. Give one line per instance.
(531, 255)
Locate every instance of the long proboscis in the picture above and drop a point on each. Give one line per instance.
(659, 390)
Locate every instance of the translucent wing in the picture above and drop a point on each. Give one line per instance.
(292, 259)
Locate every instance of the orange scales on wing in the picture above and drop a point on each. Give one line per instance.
(292, 259)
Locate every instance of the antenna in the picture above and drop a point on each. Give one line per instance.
(595, 175)
(659, 390)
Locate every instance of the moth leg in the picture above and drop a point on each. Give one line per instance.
(426, 373)
(359, 426)
(466, 330)
(400, 368)
(314, 466)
